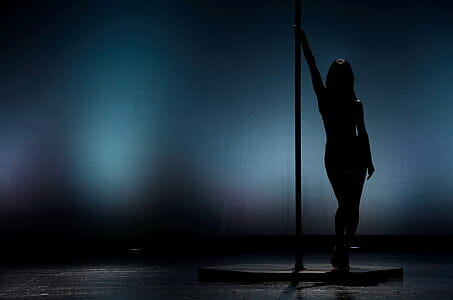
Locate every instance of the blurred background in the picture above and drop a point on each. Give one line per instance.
(138, 119)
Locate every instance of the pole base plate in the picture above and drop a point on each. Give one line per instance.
(285, 272)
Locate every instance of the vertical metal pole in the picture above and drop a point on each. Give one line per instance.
(299, 265)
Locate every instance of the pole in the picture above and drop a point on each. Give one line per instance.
(299, 265)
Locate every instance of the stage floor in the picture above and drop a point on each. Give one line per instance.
(426, 276)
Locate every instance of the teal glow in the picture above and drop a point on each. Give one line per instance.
(115, 120)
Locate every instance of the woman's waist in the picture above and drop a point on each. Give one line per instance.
(344, 140)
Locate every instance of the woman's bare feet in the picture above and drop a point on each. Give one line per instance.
(340, 259)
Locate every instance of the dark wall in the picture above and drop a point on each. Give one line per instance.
(144, 118)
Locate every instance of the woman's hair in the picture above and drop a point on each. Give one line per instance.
(341, 79)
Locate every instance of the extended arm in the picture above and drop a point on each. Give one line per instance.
(316, 79)
(363, 135)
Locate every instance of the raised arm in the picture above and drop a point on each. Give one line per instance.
(363, 135)
(316, 79)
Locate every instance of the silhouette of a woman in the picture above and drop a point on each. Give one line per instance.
(347, 153)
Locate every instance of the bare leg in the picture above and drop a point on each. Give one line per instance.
(340, 225)
(354, 193)
(339, 255)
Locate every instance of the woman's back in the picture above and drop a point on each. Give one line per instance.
(340, 120)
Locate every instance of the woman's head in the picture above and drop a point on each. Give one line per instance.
(340, 78)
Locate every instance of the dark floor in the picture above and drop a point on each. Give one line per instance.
(426, 276)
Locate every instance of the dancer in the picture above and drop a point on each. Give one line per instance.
(347, 154)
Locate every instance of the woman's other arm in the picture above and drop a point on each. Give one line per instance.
(363, 135)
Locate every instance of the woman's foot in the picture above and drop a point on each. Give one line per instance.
(344, 269)
(340, 259)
